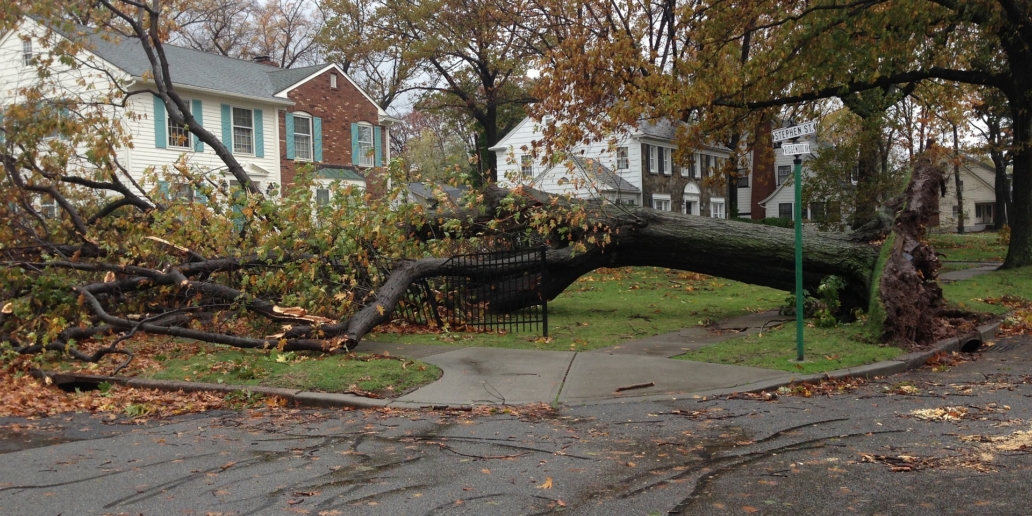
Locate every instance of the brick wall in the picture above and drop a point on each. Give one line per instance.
(763, 181)
(338, 108)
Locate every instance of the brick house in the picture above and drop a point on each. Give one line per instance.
(333, 125)
(639, 168)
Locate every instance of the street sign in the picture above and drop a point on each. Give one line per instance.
(794, 132)
(795, 149)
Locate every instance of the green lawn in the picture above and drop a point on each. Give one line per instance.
(971, 294)
(826, 349)
(613, 305)
(969, 247)
(386, 377)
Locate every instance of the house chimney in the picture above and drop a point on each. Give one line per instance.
(265, 60)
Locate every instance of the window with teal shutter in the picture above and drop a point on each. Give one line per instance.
(227, 127)
(355, 149)
(160, 123)
(377, 146)
(3, 131)
(259, 135)
(288, 127)
(317, 137)
(197, 110)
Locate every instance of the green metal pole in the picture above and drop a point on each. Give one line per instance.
(798, 216)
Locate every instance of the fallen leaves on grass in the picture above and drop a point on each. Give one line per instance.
(24, 396)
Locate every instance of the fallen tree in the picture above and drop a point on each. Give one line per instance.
(621, 236)
(116, 256)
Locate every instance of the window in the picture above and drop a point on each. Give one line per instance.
(302, 138)
(665, 165)
(527, 166)
(717, 209)
(819, 211)
(27, 52)
(743, 181)
(690, 199)
(178, 135)
(48, 207)
(623, 160)
(322, 196)
(365, 146)
(648, 158)
(984, 213)
(182, 192)
(692, 170)
(784, 172)
(661, 202)
(956, 211)
(243, 131)
(785, 211)
(333, 80)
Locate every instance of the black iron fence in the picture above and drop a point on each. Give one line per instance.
(494, 291)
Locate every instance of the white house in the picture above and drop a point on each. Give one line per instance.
(267, 117)
(637, 167)
(977, 181)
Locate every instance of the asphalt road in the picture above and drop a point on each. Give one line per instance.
(869, 451)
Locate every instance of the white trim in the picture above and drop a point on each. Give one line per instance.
(311, 136)
(501, 145)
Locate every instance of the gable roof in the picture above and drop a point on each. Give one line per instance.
(283, 78)
(592, 170)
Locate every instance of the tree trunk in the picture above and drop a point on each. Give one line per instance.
(957, 182)
(1019, 253)
(750, 253)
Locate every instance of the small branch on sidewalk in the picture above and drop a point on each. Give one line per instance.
(635, 386)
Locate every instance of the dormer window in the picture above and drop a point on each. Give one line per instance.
(27, 52)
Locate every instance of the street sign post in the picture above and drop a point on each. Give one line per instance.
(797, 150)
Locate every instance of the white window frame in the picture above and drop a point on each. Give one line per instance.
(171, 128)
(791, 212)
(322, 196)
(181, 191)
(782, 179)
(527, 166)
(718, 208)
(239, 143)
(623, 158)
(303, 151)
(48, 207)
(668, 162)
(27, 53)
(661, 202)
(366, 149)
(333, 80)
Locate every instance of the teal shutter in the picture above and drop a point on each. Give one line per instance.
(163, 190)
(259, 135)
(227, 127)
(355, 158)
(197, 110)
(317, 137)
(160, 124)
(3, 131)
(377, 147)
(288, 127)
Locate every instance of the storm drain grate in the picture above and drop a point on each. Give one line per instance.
(1002, 346)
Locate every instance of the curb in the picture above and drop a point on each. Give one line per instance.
(967, 343)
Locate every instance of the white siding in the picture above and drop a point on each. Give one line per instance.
(138, 116)
(978, 189)
(145, 153)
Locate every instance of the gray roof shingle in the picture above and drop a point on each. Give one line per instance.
(190, 67)
(609, 180)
